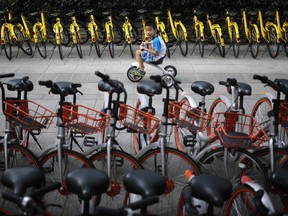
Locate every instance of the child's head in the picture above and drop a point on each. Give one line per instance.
(151, 29)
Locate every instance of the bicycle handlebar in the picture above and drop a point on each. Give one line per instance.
(229, 82)
(7, 75)
(263, 79)
(47, 83)
(104, 77)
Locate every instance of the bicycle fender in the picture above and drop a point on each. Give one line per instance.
(143, 100)
(269, 95)
(226, 100)
(191, 100)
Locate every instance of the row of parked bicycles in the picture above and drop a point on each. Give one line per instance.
(186, 160)
(21, 28)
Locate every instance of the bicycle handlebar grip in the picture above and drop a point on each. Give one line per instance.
(104, 77)
(232, 81)
(222, 83)
(76, 85)
(47, 83)
(46, 189)
(7, 75)
(144, 202)
(263, 79)
(12, 197)
(25, 78)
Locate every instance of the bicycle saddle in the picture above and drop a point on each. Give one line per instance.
(70, 14)
(279, 179)
(115, 86)
(89, 11)
(202, 88)
(210, 188)
(232, 13)
(214, 16)
(65, 88)
(87, 182)
(19, 179)
(283, 85)
(124, 13)
(157, 13)
(105, 13)
(33, 13)
(20, 85)
(55, 14)
(145, 183)
(252, 13)
(270, 13)
(243, 89)
(198, 13)
(141, 11)
(149, 88)
(177, 15)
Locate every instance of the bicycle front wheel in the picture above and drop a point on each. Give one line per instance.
(7, 45)
(176, 163)
(218, 43)
(253, 42)
(132, 74)
(22, 42)
(60, 50)
(41, 44)
(96, 43)
(235, 43)
(260, 112)
(183, 43)
(239, 163)
(273, 45)
(78, 44)
(67, 203)
(121, 164)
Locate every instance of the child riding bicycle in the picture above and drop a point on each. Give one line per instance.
(151, 51)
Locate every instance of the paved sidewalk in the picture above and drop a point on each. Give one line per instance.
(191, 68)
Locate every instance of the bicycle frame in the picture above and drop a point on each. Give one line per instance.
(282, 30)
(213, 28)
(91, 26)
(229, 25)
(264, 30)
(161, 29)
(41, 24)
(198, 27)
(24, 28)
(174, 26)
(74, 29)
(58, 30)
(246, 28)
(109, 30)
(127, 30)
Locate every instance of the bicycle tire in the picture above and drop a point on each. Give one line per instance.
(111, 44)
(83, 29)
(235, 43)
(121, 164)
(50, 33)
(260, 112)
(23, 43)
(286, 43)
(117, 31)
(18, 156)
(217, 106)
(41, 44)
(96, 43)
(132, 76)
(241, 202)
(131, 50)
(183, 43)
(70, 160)
(60, 51)
(177, 163)
(200, 45)
(167, 50)
(241, 162)
(253, 42)
(273, 45)
(7, 45)
(78, 44)
(170, 69)
(218, 43)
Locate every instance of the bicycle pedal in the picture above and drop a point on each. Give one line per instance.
(189, 141)
(89, 141)
(119, 161)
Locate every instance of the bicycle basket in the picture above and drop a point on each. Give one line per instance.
(239, 130)
(28, 114)
(186, 116)
(137, 120)
(84, 119)
(283, 114)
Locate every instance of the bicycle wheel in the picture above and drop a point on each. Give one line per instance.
(167, 50)
(7, 45)
(218, 42)
(41, 44)
(273, 45)
(50, 33)
(240, 162)
(96, 43)
(83, 30)
(131, 50)
(132, 74)
(260, 112)
(78, 44)
(60, 50)
(176, 163)
(171, 70)
(121, 164)
(217, 106)
(18, 156)
(253, 42)
(22, 42)
(183, 43)
(241, 202)
(67, 203)
(235, 43)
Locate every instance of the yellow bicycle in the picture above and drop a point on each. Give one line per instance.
(233, 32)
(216, 33)
(283, 30)
(179, 31)
(270, 33)
(161, 30)
(59, 36)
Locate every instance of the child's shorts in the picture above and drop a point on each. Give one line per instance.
(146, 56)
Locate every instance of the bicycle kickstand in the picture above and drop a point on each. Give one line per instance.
(213, 50)
(36, 46)
(193, 48)
(124, 47)
(17, 52)
(53, 49)
(229, 48)
(104, 47)
(91, 46)
(265, 50)
(72, 47)
(176, 46)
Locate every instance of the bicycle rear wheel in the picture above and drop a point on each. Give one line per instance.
(71, 160)
(240, 163)
(132, 74)
(183, 43)
(218, 43)
(121, 164)
(96, 43)
(131, 50)
(41, 44)
(253, 42)
(235, 43)
(7, 45)
(167, 50)
(22, 42)
(273, 45)
(60, 50)
(176, 163)
(83, 32)
(78, 44)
